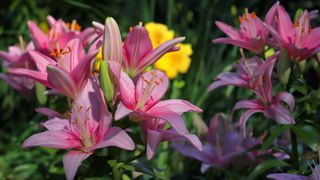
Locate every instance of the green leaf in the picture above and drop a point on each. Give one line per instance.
(112, 163)
(274, 133)
(308, 134)
(263, 167)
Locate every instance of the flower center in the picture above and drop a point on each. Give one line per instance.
(73, 26)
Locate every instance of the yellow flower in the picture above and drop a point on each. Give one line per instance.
(174, 62)
(97, 63)
(159, 33)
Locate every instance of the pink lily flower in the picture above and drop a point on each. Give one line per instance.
(59, 33)
(67, 73)
(253, 35)
(137, 49)
(142, 103)
(18, 57)
(249, 74)
(270, 106)
(298, 39)
(286, 176)
(89, 128)
(222, 143)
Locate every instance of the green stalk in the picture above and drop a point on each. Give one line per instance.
(163, 156)
(116, 173)
(169, 12)
(294, 156)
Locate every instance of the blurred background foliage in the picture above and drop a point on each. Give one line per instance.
(191, 18)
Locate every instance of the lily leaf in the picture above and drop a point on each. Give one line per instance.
(276, 132)
(308, 134)
(261, 168)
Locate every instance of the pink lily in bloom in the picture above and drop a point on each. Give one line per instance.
(286, 176)
(18, 57)
(222, 144)
(67, 73)
(89, 128)
(249, 74)
(270, 106)
(253, 35)
(137, 52)
(298, 39)
(142, 103)
(59, 33)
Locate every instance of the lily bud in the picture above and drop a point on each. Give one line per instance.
(40, 93)
(302, 65)
(112, 42)
(284, 67)
(106, 82)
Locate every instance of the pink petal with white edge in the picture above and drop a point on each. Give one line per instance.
(121, 111)
(118, 138)
(62, 81)
(153, 140)
(72, 161)
(54, 139)
(177, 105)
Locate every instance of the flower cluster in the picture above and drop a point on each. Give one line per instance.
(58, 60)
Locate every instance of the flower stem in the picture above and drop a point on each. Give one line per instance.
(116, 173)
(294, 145)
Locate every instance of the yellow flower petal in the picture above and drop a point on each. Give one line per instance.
(159, 33)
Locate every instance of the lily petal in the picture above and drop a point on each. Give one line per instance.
(177, 105)
(48, 112)
(118, 138)
(54, 139)
(61, 80)
(157, 53)
(229, 30)
(127, 90)
(41, 60)
(39, 38)
(41, 77)
(287, 98)
(153, 140)
(121, 111)
(227, 78)
(56, 124)
(72, 161)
